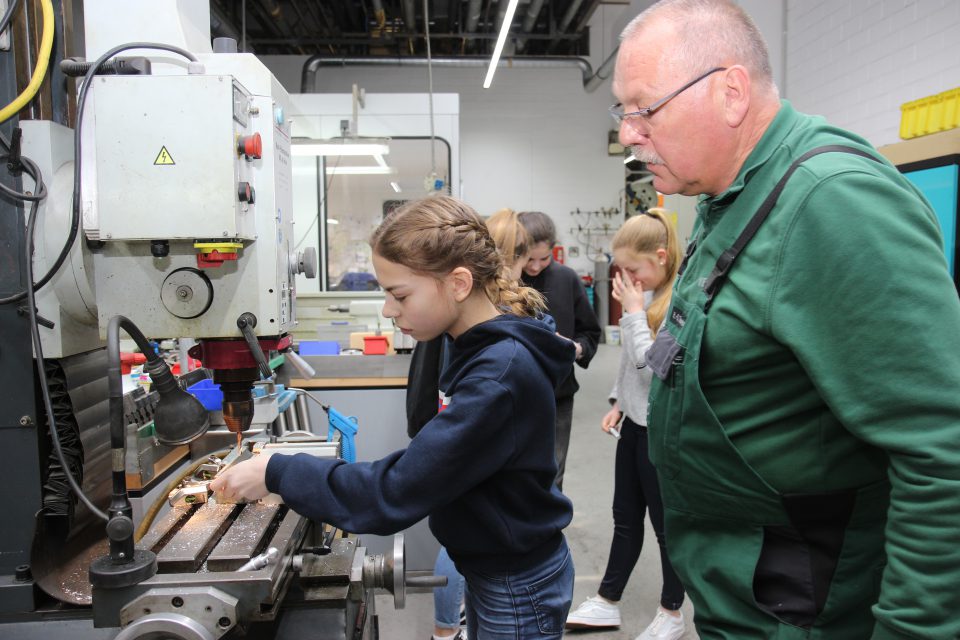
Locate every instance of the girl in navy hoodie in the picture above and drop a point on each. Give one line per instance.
(483, 469)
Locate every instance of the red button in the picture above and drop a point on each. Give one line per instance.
(251, 146)
(246, 192)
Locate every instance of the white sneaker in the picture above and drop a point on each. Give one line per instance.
(594, 613)
(664, 627)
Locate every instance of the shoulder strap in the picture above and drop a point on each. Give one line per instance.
(725, 262)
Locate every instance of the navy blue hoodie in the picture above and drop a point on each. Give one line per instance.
(483, 468)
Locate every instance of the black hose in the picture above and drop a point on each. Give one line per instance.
(132, 66)
(5, 20)
(56, 488)
(38, 352)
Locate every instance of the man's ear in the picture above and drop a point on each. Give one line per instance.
(736, 95)
(460, 281)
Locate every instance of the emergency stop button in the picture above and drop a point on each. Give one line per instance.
(246, 193)
(250, 147)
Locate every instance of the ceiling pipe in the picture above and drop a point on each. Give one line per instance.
(533, 10)
(585, 16)
(569, 15)
(473, 15)
(410, 16)
(565, 22)
(529, 20)
(590, 79)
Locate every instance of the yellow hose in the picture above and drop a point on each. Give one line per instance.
(40, 71)
(151, 513)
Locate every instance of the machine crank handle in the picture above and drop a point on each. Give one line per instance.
(425, 582)
(259, 562)
(246, 322)
(300, 364)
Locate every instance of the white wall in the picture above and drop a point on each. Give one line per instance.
(856, 61)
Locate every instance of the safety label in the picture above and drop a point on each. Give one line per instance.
(164, 157)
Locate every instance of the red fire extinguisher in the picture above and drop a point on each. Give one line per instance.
(558, 253)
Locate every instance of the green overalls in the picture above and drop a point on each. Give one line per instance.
(757, 564)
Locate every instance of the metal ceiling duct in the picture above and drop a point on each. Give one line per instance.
(591, 80)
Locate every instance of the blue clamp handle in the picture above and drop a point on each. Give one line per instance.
(347, 426)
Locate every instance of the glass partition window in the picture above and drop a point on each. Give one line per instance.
(356, 193)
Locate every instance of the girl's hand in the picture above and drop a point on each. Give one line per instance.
(629, 295)
(611, 419)
(245, 481)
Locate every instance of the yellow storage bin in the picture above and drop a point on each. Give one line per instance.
(931, 114)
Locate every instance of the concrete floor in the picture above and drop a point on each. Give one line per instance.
(589, 483)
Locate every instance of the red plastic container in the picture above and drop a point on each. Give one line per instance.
(374, 345)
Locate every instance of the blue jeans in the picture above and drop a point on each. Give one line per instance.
(446, 600)
(517, 605)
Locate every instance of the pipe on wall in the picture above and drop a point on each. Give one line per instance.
(591, 80)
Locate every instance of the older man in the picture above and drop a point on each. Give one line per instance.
(805, 422)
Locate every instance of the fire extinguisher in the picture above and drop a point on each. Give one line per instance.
(559, 253)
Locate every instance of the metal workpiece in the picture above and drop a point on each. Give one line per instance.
(193, 612)
(189, 493)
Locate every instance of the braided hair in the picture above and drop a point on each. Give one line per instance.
(435, 235)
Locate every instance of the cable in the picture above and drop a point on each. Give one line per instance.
(41, 188)
(81, 102)
(38, 351)
(426, 26)
(40, 71)
(326, 192)
(310, 396)
(5, 20)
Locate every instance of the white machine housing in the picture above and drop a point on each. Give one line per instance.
(69, 299)
(160, 162)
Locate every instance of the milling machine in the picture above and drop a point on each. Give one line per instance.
(166, 212)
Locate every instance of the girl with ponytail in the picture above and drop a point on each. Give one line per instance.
(483, 468)
(648, 254)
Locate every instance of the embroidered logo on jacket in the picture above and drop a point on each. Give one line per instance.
(678, 317)
(444, 401)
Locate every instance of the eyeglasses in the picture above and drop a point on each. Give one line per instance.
(620, 117)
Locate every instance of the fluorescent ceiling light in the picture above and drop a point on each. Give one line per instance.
(360, 171)
(311, 148)
(396, 187)
(501, 39)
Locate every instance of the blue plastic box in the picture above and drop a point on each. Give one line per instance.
(208, 394)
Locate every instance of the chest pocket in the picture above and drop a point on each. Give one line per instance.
(663, 353)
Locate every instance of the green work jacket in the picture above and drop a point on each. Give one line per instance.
(831, 356)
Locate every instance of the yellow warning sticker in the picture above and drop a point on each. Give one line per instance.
(164, 157)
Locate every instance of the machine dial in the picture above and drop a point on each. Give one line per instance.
(187, 293)
(306, 262)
